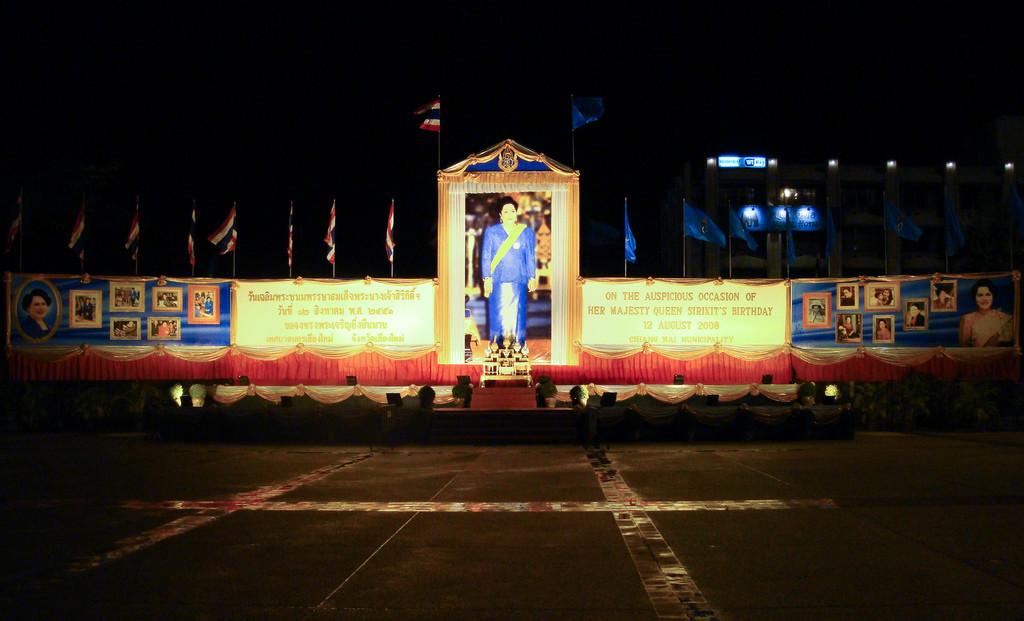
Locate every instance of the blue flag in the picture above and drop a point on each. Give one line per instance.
(630, 240)
(896, 221)
(586, 110)
(954, 234)
(697, 224)
(830, 233)
(790, 246)
(1018, 209)
(736, 229)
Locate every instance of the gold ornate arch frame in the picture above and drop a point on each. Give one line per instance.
(508, 167)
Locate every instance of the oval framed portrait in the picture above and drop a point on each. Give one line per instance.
(37, 310)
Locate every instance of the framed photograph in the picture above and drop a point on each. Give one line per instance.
(915, 314)
(881, 331)
(85, 309)
(847, 296)
(879, 296)
(204, 304)
(167, 300)
(817, 311)
(849, 328)
(944, 296)
(164, 328)
(38, 307)
(127, 297)
(126, 328)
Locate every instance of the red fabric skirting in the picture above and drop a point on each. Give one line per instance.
(656, 369)
(373, 369)
(869, 369)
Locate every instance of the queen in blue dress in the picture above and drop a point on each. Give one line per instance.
(508, 264)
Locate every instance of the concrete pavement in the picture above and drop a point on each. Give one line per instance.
(887, 526)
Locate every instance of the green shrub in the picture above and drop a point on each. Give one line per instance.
(547, 390)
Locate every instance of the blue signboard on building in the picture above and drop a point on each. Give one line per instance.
(742, 161)
(778, 218)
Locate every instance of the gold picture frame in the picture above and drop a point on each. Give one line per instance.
(85, 308)
(167, 300)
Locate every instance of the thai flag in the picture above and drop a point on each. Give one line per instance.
(226, 236)
(390, 241)
(77, 243)
(432, 122)
(15, 225)
(291, 211)
(192, 237)
(329, 240)
(132, 245)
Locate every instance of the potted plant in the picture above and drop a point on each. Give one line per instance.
(176, 392)
(806, 392)
(197, 392)
(578, 395)
(462, 393)
(426, 396)
(548, 391)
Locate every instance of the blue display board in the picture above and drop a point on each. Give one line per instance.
(951, 311)
(102, 311)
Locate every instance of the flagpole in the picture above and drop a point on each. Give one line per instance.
(137, 240)
(625, 261)
(291, 213)
(392, 261)
(439, 133)
(885, 237)
(82, 256)
(234, 251)
(684, 238)
(730, 256)
(334, 237)
(828, 250)
(729, 206)
(191, 236)
(21, 226)
(572, 134)
(789, 240)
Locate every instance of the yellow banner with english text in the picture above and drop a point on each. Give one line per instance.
(634, 312)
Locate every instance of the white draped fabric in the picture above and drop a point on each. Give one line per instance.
(322, 394)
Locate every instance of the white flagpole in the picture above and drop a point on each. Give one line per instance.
(334, 223)
(684, 238)
(21, 225)
(729, 207)
(82, 257)
(291, 215)
(137, 239)
(391, 231)
(439, 134)
(885, 237)
(572, 132)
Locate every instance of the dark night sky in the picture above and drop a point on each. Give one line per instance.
(262, 106)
